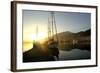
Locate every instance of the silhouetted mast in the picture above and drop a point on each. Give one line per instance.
(53, 25)
(36, 32)
(49, 29)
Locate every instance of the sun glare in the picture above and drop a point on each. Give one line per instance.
(32, 37)
(37, 37)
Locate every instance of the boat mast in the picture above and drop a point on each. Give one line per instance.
(52, 21)
(36, 37)
(36, 32)
(54, 27)
(49, 29)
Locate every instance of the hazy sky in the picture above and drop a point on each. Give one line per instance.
(65, 21)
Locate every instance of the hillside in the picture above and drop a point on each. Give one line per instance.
(71, 34)
(69, 40)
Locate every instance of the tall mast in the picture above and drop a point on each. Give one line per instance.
(52, 23)
(55, 26)
(34, 41)
(36, 32)
(49, 29)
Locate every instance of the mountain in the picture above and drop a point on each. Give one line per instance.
(71, 34)
(84, 33)
(80, 40)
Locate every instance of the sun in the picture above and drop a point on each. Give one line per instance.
(37, 37)
(32, 37)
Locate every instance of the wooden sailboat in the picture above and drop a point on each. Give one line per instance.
(52, 37)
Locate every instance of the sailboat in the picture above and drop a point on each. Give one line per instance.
(52, 37)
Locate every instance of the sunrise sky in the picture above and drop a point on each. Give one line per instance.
(65, 21)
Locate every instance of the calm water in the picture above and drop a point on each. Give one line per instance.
(74, 54)
(37, 55)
